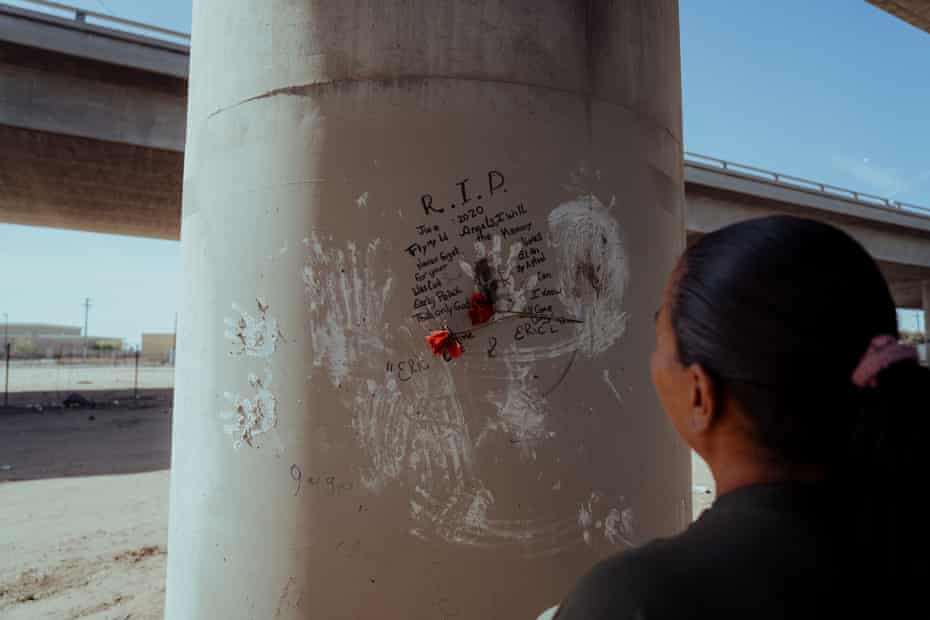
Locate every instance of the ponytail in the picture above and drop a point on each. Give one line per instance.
(886, 473)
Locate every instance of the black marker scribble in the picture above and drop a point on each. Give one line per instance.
(297, 476)
(564, 374)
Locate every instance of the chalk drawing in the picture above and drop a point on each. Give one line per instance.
(251, 416)
(612, 387)
(521, 409)
(256, 336)
(347, 289)
(412, 436)
(513, 294)
(290, 598)
(410, 417)
(618, 526)
(593, 270)
(418, 433)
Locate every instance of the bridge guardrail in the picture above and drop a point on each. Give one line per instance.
(866, 199)
(102, 19)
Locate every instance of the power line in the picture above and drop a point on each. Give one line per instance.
(86, 313)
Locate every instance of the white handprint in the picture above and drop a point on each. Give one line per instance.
(511, 295)
(256, 336)
(348, 290)
(251, 416)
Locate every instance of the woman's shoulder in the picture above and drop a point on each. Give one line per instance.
(627, 584)
(666, 578)
(735, 556)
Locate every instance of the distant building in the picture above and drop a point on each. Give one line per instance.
(29, 331)
(45, 340)
(158, 347)
(25, 338)
(70, 346)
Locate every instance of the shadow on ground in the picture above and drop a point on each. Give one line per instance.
(40, 438)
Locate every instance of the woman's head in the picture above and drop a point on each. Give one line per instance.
(763, 326)
(764, 323)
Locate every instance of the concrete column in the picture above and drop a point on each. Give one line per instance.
(355, 174)
(925, 294)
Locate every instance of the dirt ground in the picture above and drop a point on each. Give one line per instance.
(53, 379)
(84, 507)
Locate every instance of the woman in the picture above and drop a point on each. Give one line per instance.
(778, 362)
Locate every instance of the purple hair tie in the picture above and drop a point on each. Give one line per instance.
(882, 353)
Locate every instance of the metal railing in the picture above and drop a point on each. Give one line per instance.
(72, 380)
(82, 15)
(797, 182)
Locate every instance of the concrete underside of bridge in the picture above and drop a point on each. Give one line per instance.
(61, 181)
(910, 292)
(914, 12)
(899, 241)
(92, 127)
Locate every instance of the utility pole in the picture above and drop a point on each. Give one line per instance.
(6, 383)
(86, 313)
(135, 382)
(925, 306)
(6, 353)
(174, 340)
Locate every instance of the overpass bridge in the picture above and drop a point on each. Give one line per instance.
(896, 234)
(92, 132)
(92, 122)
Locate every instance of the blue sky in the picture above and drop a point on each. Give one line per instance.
(835, 91)
(133, 283)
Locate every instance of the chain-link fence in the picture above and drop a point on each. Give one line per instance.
(80, 381)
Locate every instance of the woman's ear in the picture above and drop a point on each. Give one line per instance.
(704, 399)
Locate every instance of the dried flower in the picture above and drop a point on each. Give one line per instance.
(444, 343)
(480, 310)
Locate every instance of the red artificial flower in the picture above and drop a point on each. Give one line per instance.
(480, 310)
(443, 343)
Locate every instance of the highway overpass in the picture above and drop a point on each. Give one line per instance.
(92, 130)
(91, 125)
(897, 235)
(914, 12)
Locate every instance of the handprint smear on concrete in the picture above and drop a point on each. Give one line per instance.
(348, 289)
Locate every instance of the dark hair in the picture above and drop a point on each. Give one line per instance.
(779, 311)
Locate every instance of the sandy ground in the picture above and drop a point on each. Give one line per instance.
(84, 506)
(49, 377)
(83, 535)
